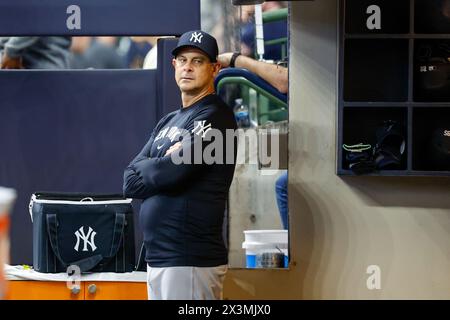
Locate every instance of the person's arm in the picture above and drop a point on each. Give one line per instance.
(14, 47)
(133, 187)
(11, 63)
(163, 174)
(276, 75)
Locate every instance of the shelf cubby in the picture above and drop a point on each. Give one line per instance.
(396, 68)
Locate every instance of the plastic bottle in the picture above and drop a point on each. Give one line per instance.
(241, 114)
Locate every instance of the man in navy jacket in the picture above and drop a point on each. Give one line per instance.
(183, 174)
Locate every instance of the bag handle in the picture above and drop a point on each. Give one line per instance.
(87, 263)
(72, 196)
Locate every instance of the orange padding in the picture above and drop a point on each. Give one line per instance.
(4, 223)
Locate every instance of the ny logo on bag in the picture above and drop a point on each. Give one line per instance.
(88, 239)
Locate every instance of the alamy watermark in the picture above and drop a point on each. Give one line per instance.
(73, 21)
(206, 145)
(74, 281)
(373, 282)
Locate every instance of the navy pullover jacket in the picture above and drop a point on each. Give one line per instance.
(184, 204)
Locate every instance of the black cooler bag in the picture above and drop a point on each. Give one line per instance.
(94, 232)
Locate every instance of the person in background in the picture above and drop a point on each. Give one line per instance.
(96, 53)
(133, 52)
(35, 52)
(281, 193)
(278, 77)
(183, 206)
(271, 30)
(151, 58)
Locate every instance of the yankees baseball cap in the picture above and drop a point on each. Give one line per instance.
(198, 39)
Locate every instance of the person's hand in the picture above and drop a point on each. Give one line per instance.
(224, 59)
(173, 148)
(11, 63)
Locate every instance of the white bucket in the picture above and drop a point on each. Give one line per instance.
(266, 248)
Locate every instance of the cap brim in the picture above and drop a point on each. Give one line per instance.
(177, 50)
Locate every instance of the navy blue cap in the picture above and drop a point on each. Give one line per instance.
(201, 40)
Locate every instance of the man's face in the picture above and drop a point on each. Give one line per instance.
(194, 72)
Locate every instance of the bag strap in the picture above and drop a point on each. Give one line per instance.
(119, 225)
(87, 263)
(141, 260)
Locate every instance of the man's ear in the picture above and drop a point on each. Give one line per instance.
(173, 62)
(216, 68)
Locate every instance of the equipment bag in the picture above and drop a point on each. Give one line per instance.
(94, 232)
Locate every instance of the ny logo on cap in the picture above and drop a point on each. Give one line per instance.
(196, 37)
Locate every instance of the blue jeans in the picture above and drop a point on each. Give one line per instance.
(281, 192)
